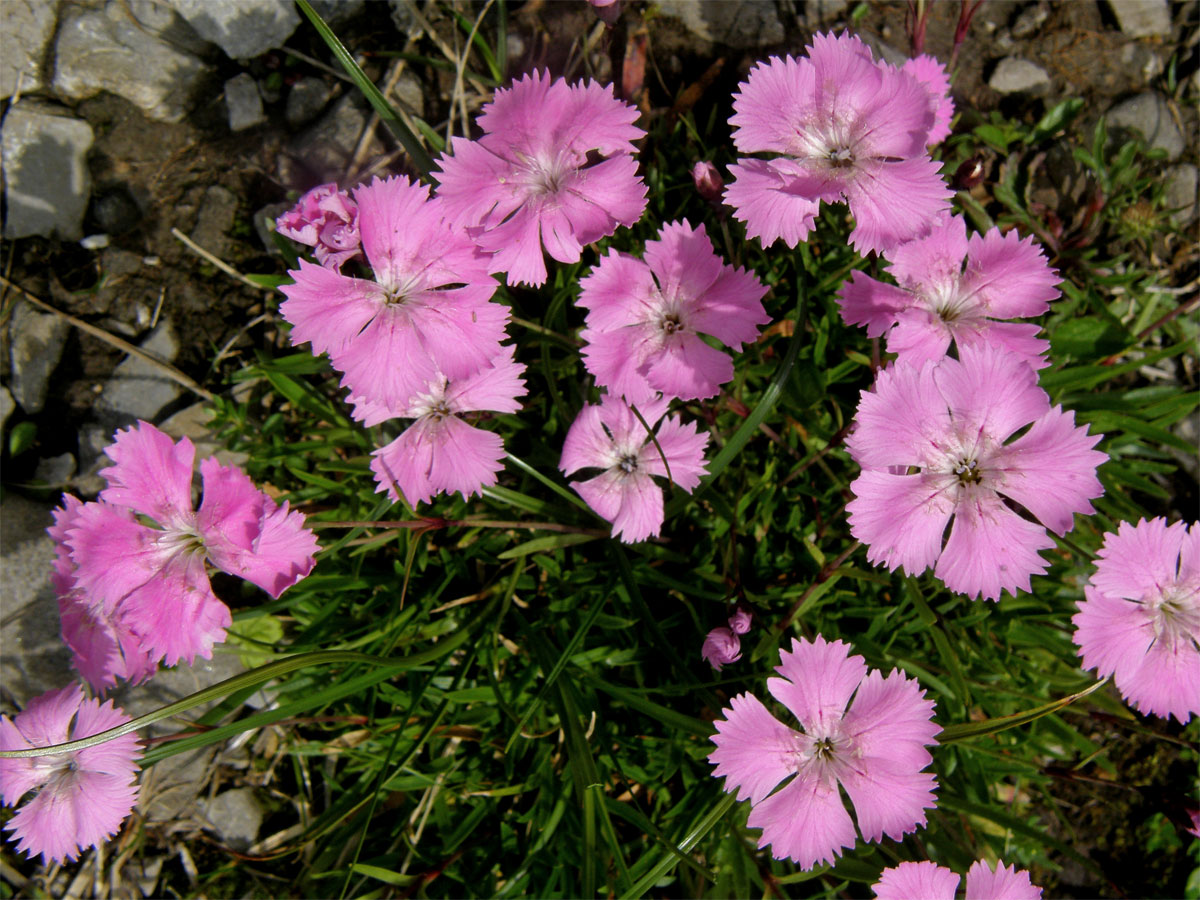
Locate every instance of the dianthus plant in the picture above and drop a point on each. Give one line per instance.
(861, 730)
(843, 127)
(554, 169)
(936, 443)
(645, 318)
(140, 552)
(1140, 622)
(610, 437)
(952, 288)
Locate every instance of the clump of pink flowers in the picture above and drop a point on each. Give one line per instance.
(554, 170)
(646, 317)
(844, 128)
(610, 437)
(723, 645)
(427, 311)
(929, 881)
(1140, 621)
(862, 731)
(132, 567)
(325, 219)
(79, 798)
(952, 288)
(937, 448)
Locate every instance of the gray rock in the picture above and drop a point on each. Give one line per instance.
(35, 659)
(1180, 193)
(305, 101)
(138, 390)
(410, 92)
(744, 24)
(36, 342)
(106, 50)
(244, 103)
(45, 172)
(818, 13)
(7, 407)
(164, 21)
(1142, 18)
(1014, 75)
(1030, 20)
(26, 27)
(235, 816)
(244, 29)
(1149, 114)
(1142, 58)
(326, 147)
(881, 49)
(55, 471)
(336, 11)
(216, 218)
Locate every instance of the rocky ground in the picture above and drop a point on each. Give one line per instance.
(147, 142)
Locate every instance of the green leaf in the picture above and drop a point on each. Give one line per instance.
(966, 730)
(21, 438)
(1088, 339)
(550, 542)
(257, 638)
(1055, 120)
(387, 876)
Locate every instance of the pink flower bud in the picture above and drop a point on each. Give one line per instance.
(708, 181)
(325, 219)
(739, 622)
(721, 648)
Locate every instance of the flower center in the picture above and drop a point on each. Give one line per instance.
(841, 157)
(628, 464)
(1175, 614)
(968, 472)
(670, 323)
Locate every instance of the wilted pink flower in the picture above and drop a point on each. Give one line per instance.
(721, 647)
(645, 318)
(954, 288)
(439, 452)
(708, 181)
(427, 311)
(554, 169)
(935, 443)
(1140, 622)
(150, 579)
(82, 797)
(1194, 815)
(932, 75)
(325, 219)
(873, 746)
(103, 648)
(929, 881)
(739, 622)
(846, 128)
(610, 437)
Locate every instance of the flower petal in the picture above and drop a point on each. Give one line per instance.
(755, 751)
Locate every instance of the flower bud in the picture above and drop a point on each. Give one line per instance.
(721, 647)
(708, 181)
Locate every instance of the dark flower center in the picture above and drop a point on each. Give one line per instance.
(968, 472)
(841, 157)
(628, 464)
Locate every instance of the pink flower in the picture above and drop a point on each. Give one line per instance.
(610, 437)
(325, 219)
(439, 452)
(427, 311)
(645, 318)
(103, 647)
(1140, 622)
(872, 745)
(929, 881)
(150, 580)
(932, 75)
(1194, 815)
(721, 647)
(533, 180)
(846, 128)
(82, 797)
(936, 443)
(954, 288)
